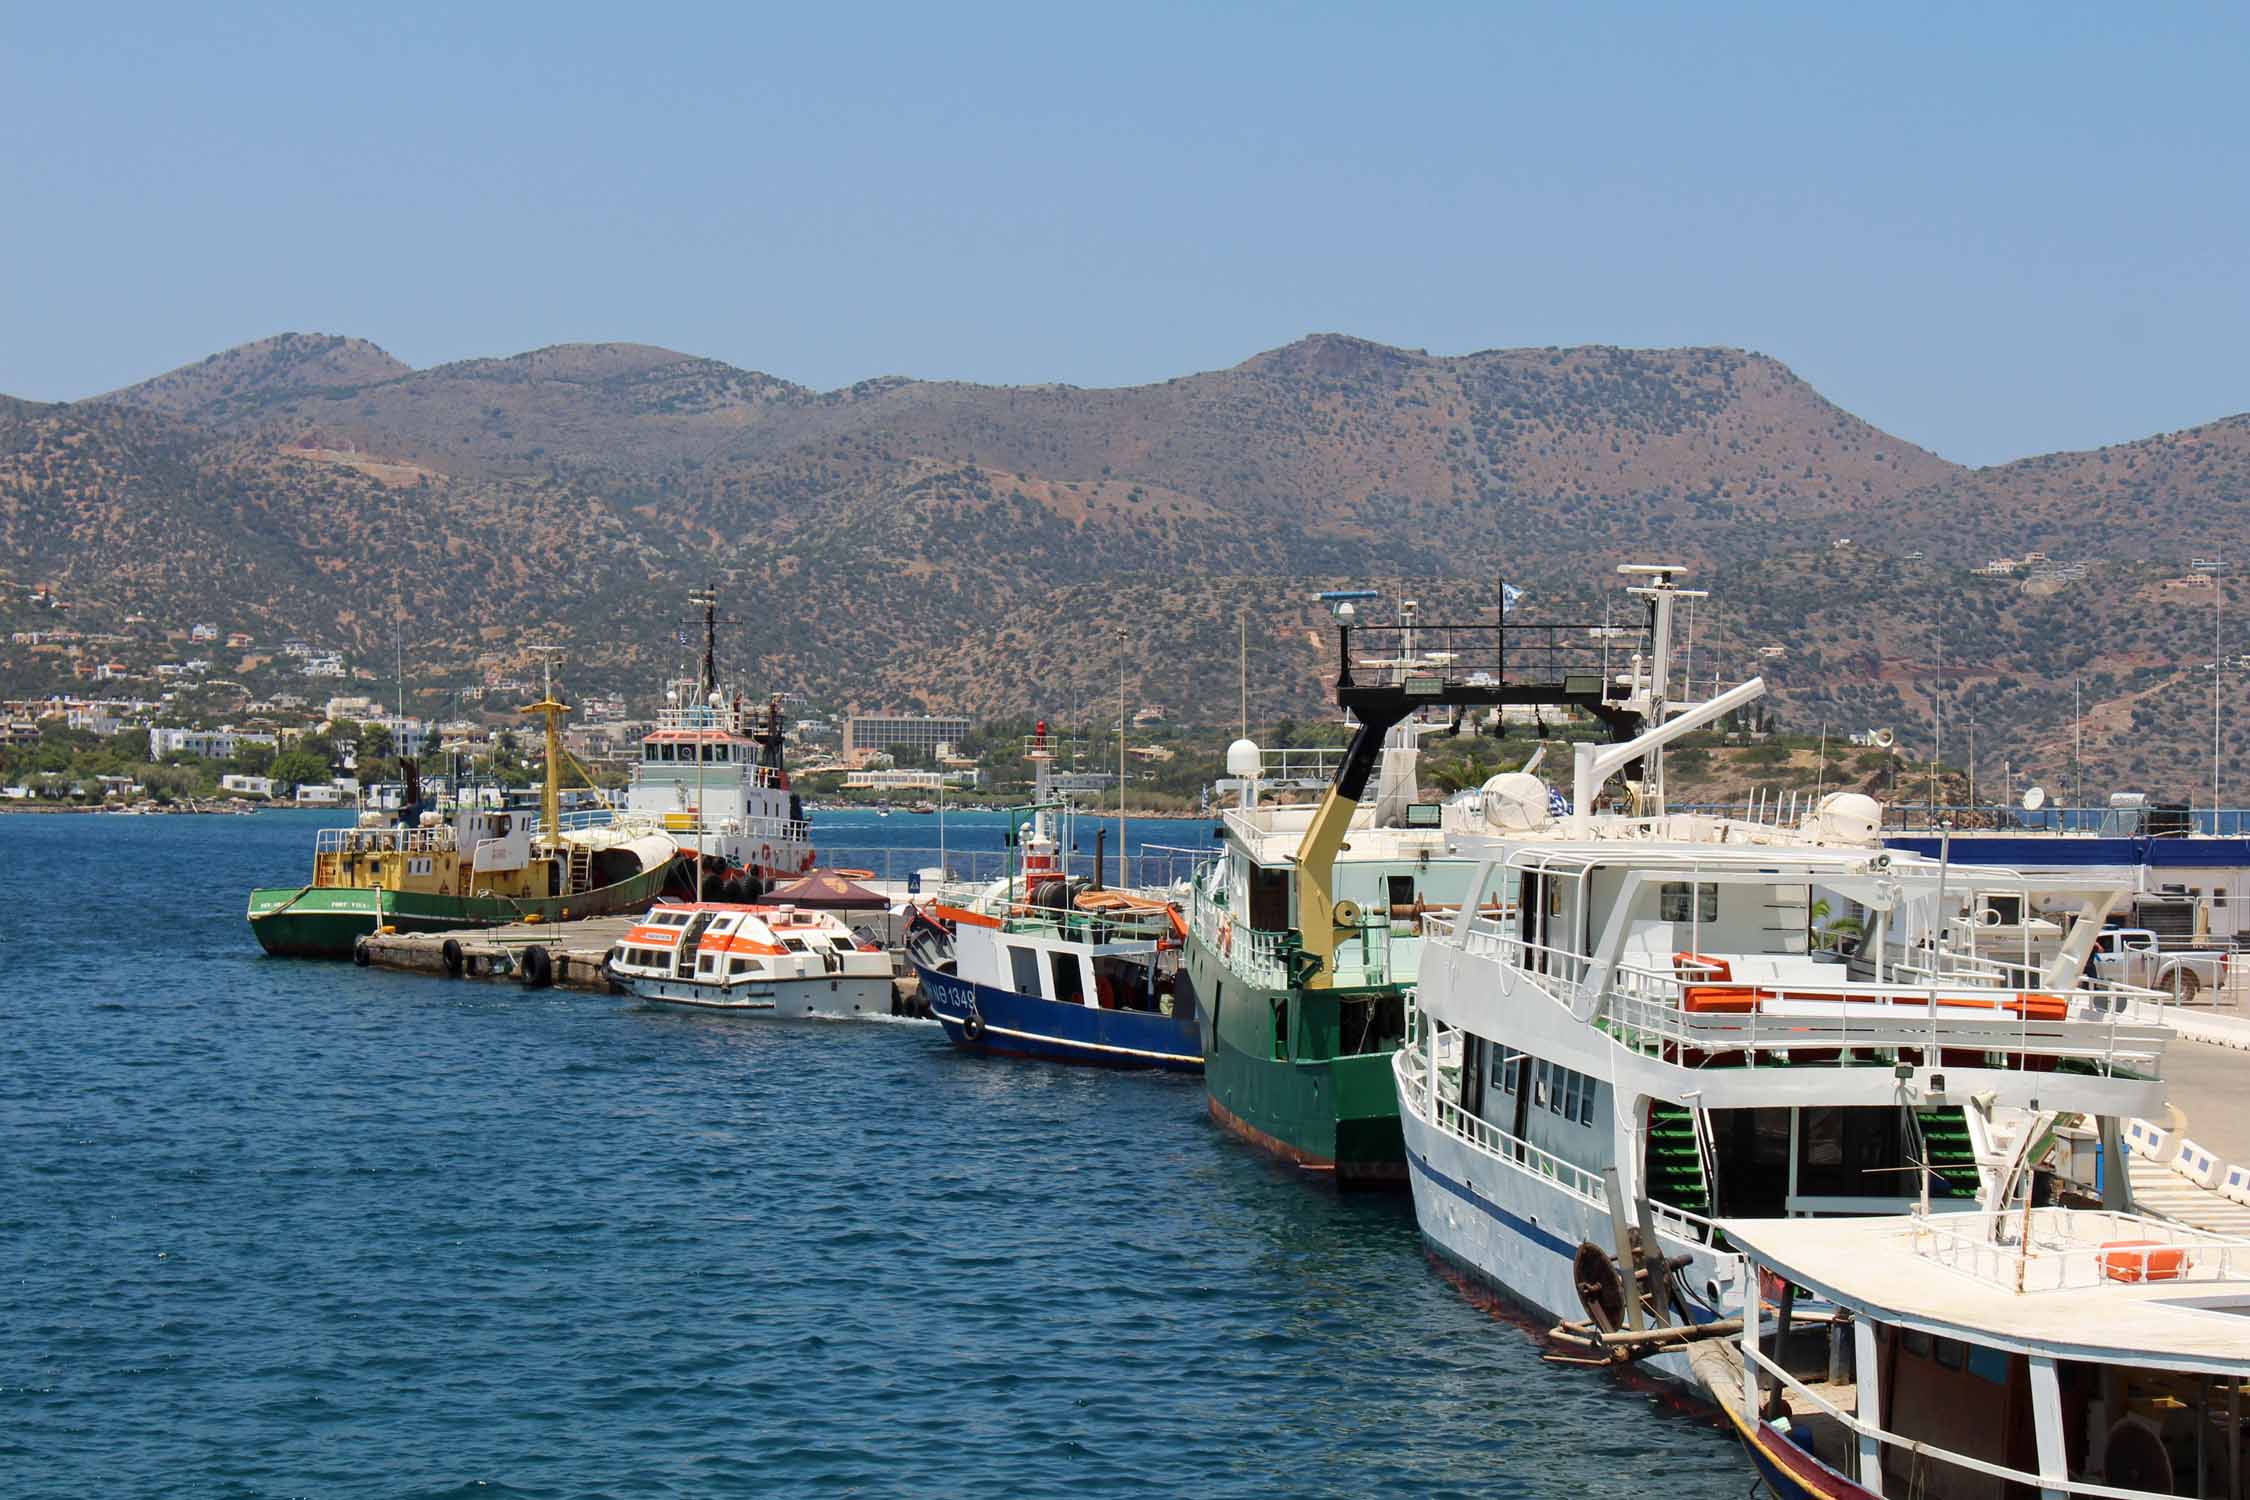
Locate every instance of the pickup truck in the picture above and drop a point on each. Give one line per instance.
(2129, 955)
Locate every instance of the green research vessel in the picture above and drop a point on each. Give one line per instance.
(1305, 935)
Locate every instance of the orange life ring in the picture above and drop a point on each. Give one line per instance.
(854, 874)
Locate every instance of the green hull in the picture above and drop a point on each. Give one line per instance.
(325, 921)
(1310, 1106)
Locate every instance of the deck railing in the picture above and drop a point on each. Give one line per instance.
(1417, 1091)
(1370, 956)
(2057, 1249)
(436, 840)
(1647, 1008)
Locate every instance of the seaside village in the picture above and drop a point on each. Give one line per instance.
(220, 702)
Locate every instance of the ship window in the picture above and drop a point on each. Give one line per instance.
(1280, 1029)
(1025, 964)
(1070, 986)
(1539, 1091)
(1917, 1343)
(1586, 1104)
(706, 963)
(664, 751)
(2007, 910)
(721, 752)
(1948, 1352)
(1672, 902)
(741, 966)
(1504, 1068)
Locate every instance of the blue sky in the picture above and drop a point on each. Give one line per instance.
(1994, 230)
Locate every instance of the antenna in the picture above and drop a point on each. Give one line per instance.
(707, 600)
(1242, 620)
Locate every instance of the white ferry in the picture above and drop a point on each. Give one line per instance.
(1639, 1025)
(778, 960)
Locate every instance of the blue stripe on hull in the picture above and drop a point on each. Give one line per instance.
(1030, 1026)
(1515, 1224)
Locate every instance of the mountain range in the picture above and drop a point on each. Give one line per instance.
(929, 544)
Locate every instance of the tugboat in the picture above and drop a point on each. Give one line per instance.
(712, 776)
(1306, 935)
(424, 872)
(1033, 966)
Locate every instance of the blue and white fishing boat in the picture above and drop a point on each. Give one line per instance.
(1035, 965)
(1063, 985)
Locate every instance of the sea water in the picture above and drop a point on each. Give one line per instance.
(281, 1227)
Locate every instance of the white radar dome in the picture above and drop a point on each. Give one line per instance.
(1516, 802)
(1848, 818)
(1242, 758)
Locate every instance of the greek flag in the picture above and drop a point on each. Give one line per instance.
(1509, 594)
(1557, 803)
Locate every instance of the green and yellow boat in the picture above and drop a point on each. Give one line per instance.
(424, 871)
(1305, 935)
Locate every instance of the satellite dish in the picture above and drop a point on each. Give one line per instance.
(1883, 739)
(2034, 798)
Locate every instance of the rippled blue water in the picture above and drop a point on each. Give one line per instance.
(277, 1228)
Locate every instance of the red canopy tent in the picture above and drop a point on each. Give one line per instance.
(826, 890)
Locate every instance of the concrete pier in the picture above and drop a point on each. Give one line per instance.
(576, 948)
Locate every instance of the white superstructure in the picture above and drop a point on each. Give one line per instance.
(712, 776)
(1637, 1025)
(777, 960)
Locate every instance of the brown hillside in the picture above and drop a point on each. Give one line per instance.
(905, 541)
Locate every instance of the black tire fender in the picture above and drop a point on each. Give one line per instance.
(450, 954)
(537, 966)
(973, 1027)
(360, 954)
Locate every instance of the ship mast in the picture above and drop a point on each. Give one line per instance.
(550, 794)
(709, 599)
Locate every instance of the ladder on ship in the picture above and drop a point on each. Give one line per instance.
(581, 878)
(1675, 1159)
(1947, 1151)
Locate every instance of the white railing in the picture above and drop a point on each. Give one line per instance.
(1660, 1026)
(1647, 1007)
(1509, 1150)
(1486, 1138)
(1313, 766)
(436, 840)
(2061, 1249)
